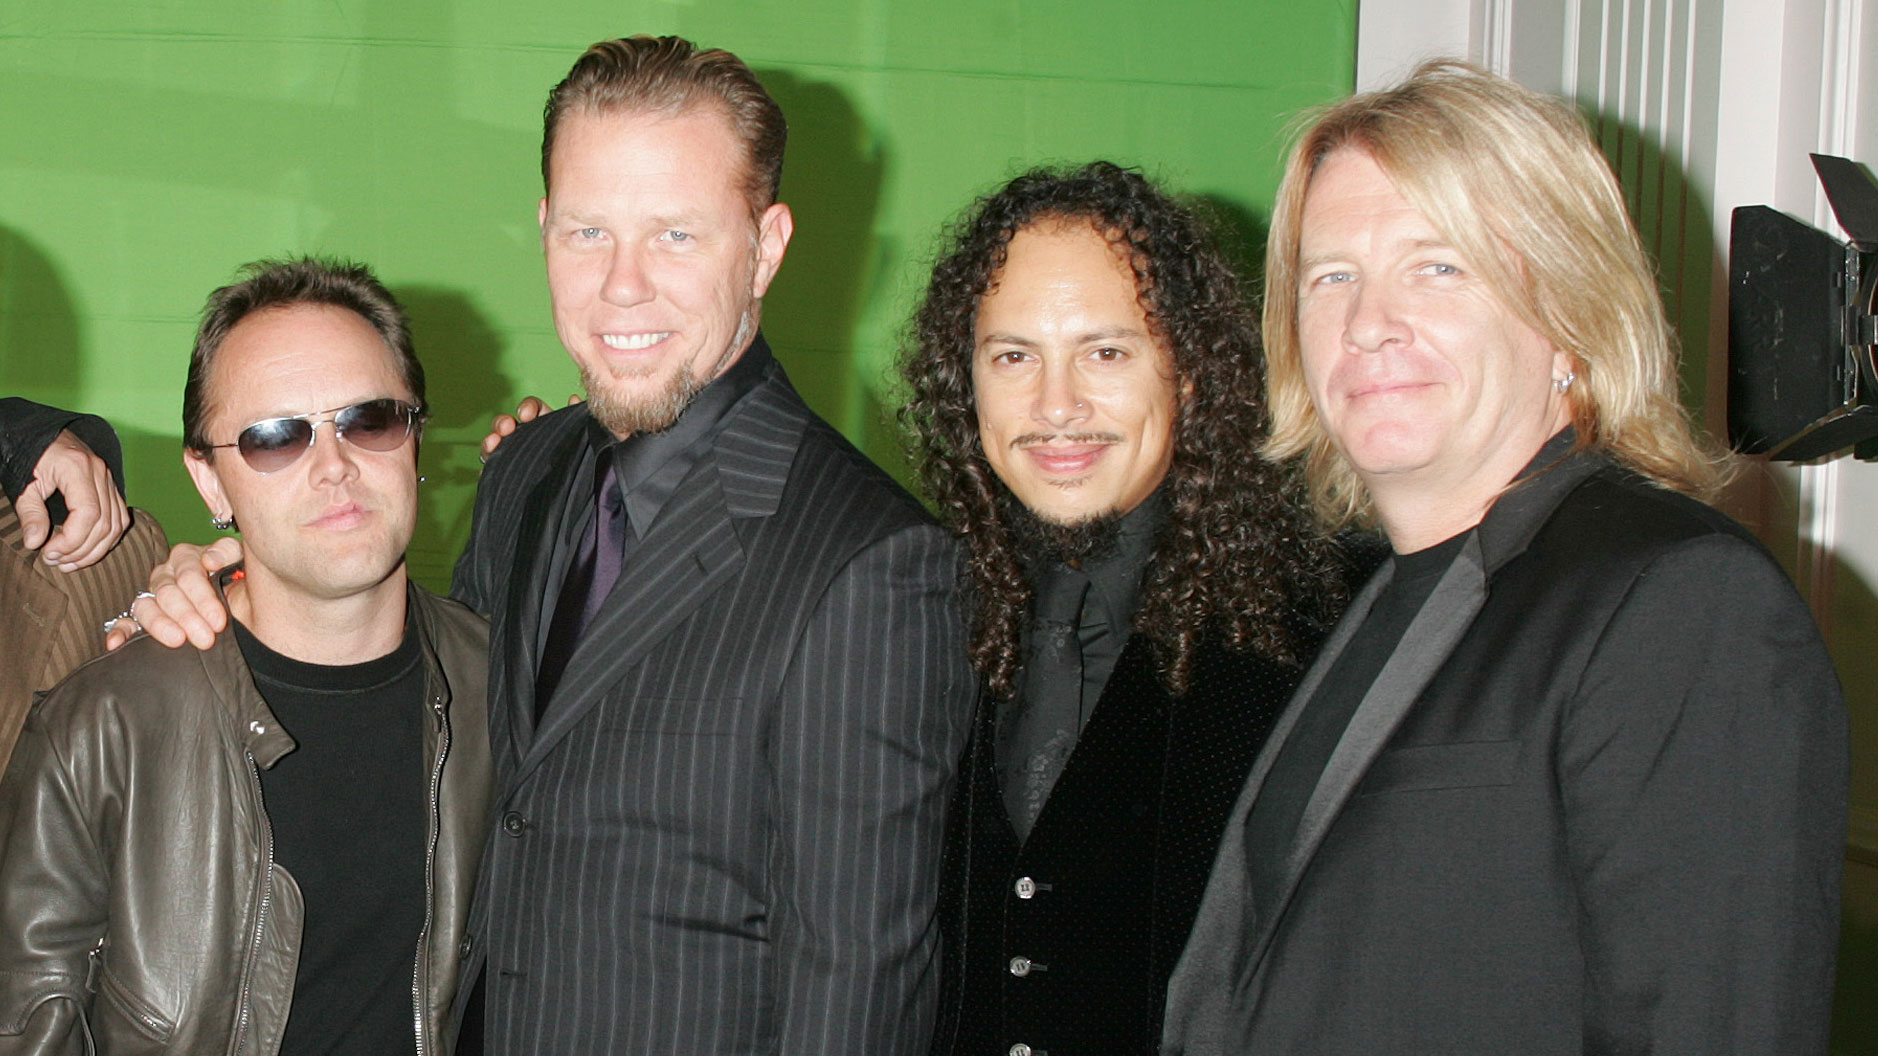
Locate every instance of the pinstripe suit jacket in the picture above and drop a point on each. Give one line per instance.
(725, 836)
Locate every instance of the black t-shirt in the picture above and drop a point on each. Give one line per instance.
(348, 808)
(1273, 821)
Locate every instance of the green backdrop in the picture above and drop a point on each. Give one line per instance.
(146, 151)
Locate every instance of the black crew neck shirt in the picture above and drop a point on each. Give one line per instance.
(348, 807)
(1273, 822)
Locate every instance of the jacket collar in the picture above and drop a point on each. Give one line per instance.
(1517, 515)
(257, 730)
(695, 543)
(1503, 534)
(752, 461)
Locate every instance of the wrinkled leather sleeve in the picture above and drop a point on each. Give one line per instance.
(52, 898)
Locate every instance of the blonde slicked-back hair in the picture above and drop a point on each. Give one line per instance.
(1512, 180)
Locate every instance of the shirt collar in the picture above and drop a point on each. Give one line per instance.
(650, 466)
(1115, 578)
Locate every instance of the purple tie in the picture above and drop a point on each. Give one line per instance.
(590, 578)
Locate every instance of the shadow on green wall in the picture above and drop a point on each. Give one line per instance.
(1241, 234)
(42, 351)
(465, 386)
(39, 327)
(831, 180)
(156, 481)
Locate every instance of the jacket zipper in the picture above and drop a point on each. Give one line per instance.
(98, 978)
(260, 918)
(430, 871)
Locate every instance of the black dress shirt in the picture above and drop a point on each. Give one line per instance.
(650, 466)
(1034, 753)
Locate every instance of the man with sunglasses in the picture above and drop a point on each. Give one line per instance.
(267, 846)
(729, 676)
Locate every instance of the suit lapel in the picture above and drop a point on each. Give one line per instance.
(1195, 994)
(690, 551)
(1125, 735)
(1436, 629)
(542, 513)
(1199, 1008)
(1281, 730)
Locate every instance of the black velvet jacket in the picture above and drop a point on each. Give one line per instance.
(1065, 944)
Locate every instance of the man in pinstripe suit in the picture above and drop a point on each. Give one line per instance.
(717, 830)
(721, 779)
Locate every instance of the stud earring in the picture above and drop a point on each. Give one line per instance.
(221, 524)
(1564, 384)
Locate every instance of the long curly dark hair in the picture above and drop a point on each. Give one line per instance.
(1239, 556)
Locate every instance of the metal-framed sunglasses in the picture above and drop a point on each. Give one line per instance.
(375, 425)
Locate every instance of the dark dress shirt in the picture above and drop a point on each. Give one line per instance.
(1039, 726)
(650, 466)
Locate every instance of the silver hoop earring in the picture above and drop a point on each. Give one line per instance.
(221, 524)
(1564, 384)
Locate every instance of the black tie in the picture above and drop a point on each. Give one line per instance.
(1041, 725)
(590, 577)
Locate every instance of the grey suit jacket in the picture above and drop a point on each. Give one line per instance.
(725, 836)
(1594, 802)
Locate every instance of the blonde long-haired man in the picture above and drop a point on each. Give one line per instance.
(1570, 775)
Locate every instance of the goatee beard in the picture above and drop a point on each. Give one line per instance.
(1045, 544)
(651, 414)
(661, 410)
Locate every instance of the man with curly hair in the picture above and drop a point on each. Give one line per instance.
(1086, 393)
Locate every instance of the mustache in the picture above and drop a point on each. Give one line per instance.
(1034, 439)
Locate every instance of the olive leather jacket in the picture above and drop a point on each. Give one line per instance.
(141, 910)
